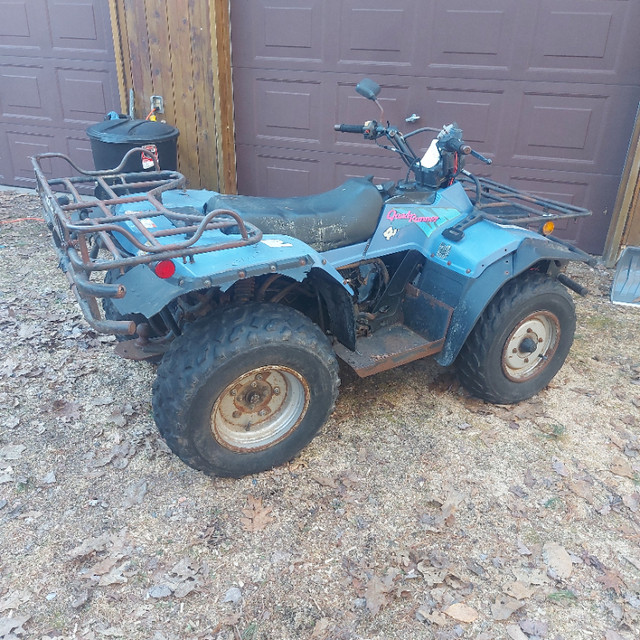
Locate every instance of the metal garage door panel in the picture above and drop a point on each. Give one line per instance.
(67, 29)
(23, 28)
(381, 34)
(585, 41)
(276, 34)
(57, 73)
(574, 127)
(547, 88)
(298, 110)
(288, 172)
(472, 39)
(24, 93)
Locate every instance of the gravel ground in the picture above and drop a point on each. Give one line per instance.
(418, 512)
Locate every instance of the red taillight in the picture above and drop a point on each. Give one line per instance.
(165, 269)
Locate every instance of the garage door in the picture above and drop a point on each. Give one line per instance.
(547, 88)
(57, 76)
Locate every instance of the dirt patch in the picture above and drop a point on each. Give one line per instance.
(417, 512)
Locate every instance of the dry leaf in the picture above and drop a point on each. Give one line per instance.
(453, 501)
(321, 629)
(504, 606)
(134, 494)
(90, 546)
(423, 614)
(325, 481)
(377, 593)
(114, 576)
(432, 576)
(583, 490)
(184, 577)
(518, 590)
(534, 628)
(621, 467)
(12, 627)
(11, 452)
(515, 633)
(461, 612)
(558, 561)
(256, 517)
(632, 501)
(14, 600)
(560, 468)
(611, 579)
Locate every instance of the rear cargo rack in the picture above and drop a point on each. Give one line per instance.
(83, 227)
(502, 204)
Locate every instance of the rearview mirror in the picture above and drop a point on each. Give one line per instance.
(368, 89)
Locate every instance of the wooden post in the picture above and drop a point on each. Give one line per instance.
(117, 32)
(220, 19)
(182, 51)
(625, 211)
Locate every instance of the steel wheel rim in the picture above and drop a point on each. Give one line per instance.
(259, 409)
(530, 346)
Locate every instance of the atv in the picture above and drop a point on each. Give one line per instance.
(247, 303)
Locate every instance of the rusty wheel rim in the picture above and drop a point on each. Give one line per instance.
(259, 409)
(530, 346)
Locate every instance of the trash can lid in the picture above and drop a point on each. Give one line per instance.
(132, 131)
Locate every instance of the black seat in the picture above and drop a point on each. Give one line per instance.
(343, 216)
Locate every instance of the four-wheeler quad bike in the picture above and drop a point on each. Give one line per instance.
(248, 302)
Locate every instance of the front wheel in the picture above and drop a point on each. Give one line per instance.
(520, 342)
(245, 391)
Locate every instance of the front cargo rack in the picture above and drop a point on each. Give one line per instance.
(502, 204)
(83, 227)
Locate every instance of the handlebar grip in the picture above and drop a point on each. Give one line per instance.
(350, 128)
(480, 157)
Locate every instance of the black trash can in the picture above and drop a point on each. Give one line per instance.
(111, 139)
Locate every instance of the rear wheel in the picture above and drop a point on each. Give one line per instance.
(245, 391)
(520, 342)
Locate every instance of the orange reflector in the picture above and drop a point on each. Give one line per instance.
(165, 269)
(548, 227)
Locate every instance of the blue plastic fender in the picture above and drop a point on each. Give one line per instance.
(148, 294)
(474, 294)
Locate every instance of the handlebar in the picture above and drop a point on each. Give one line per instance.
(350, 128)
(462, 147)
(480, 157)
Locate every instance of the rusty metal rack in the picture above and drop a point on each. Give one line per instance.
(82, 226)
(502, 204)
(506, 205)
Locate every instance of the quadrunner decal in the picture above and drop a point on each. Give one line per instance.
(428, 219)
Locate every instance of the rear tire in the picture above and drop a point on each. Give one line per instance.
(520, 342)
(245, 391)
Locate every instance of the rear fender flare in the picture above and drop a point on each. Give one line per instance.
(148, 294)
(479, 292)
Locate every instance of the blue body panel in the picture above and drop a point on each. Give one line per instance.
(464, 275)
(148, 294)
(406, 226)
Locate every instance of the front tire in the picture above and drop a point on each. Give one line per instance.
(520, 342)
(245, 391)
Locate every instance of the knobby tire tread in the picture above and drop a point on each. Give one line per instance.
(216, 339)
(470, 360)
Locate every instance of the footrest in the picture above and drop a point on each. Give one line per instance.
(387, 348)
